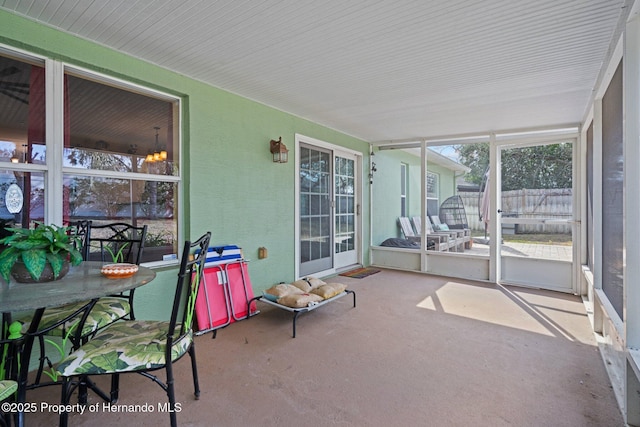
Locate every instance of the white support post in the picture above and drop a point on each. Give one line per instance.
(495, 189)
(423, 206)
(54, 75)
(598, 314)
(597, 193)
(579, 230)
(583, 207)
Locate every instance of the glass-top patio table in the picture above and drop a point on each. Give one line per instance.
(82, 283)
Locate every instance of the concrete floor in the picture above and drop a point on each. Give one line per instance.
(417, 350)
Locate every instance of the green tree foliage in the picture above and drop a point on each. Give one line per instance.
(111, 196)
(542, 166)
(475, 157)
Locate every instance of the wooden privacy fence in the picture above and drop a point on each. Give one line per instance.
(527, 203)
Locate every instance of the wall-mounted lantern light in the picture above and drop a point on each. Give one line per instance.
(279, 151)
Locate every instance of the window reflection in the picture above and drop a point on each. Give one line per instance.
(22, 107)
(315, 204)
(24, 208)
(151, 203)
(109, 128)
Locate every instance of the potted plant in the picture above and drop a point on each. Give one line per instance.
(39, 254)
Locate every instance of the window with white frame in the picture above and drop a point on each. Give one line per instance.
(112, 156)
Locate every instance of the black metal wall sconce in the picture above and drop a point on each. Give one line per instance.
(372, 168)
(279, 151)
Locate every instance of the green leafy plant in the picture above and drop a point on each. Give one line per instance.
(52, 373)
(37, 247)
(158, 239)
(117, 256)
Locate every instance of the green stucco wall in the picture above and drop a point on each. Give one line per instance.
(231, 186)
(386, 190)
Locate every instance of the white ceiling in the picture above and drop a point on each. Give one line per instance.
(377, 70)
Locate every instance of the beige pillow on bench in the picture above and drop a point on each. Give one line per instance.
(329, 290)
(308, 284)
(299, 300)
(282, 289)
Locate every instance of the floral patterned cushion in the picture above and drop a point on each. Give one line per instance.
(106, 311)
(126, 346)
(7, 388)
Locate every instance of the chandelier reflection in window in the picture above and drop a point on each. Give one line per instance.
(16, 159)
(159, 153)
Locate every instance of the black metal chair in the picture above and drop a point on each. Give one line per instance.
(143, 346)
(118, 243)
(82, 230)
(100, 243)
